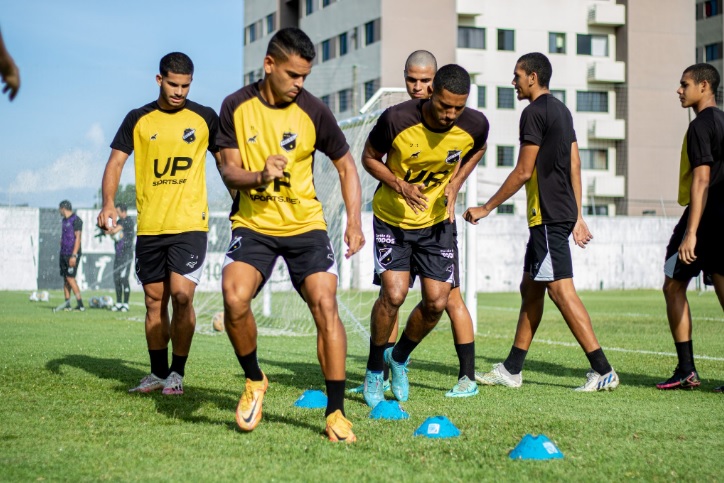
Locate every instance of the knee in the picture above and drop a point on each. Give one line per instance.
(673, 289)
(434, 306)
(236, 306)
(322, 304)
(394, 298)
(182, 299)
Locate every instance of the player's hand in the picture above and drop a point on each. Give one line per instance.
(472, 215)
(107, 218)
(451, 195)
(72, 261)
(274, 168)
(353, 238)
(412, 194)
(686, 249)
(11, 78)
(581, 234)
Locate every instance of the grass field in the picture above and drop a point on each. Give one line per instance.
(66, 414)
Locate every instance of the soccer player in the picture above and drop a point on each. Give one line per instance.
(695, 245)
(424, 140)
(268, 134)
(122, 235)
(70, 253)
(550, 167)
(170, 137)
(420, 69)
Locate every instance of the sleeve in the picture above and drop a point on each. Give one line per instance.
(330, 138)
(212, 121)
(123, 141)
(381, 136)
(698, 144)
(479, 138)
(77, 224)
(226, 134)
(531, 126)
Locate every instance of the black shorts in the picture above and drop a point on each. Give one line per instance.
(304, 254)
(429, 252)
(159, 255)
(548, 254)
(65, 269)
(709, 256)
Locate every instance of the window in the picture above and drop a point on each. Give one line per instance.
(252, 32)
(326, 3)
(559, 94)
(372, 32)
(270, 22)
(600, 210)
(309, 7)
(713, 51)
(708, 9)
(556, 43)
(342, 44)
(326, 100)
(506, 39)
(506, 98)
(326, 54)
(594, 159)
(481, 96)
(594, 45)
(471, 38)
(505, 156)
(370, 89)
(344, 98)
(590, 101)
(508, 209)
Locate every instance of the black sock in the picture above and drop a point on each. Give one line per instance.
(516, 359)
(80, 302)
(376, 361)
(466, 357)
(402, 350)
(159, 362)
(335, 396)
(385, 367)
(685, 351)
(126, 291)
(67, 302)
(250, 365)
(119, 293)
(598, 361)
(178, 364)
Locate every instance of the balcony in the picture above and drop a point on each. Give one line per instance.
(468, 8)
(607, 72)
(612, 129)
(607, 186)
(607, 15)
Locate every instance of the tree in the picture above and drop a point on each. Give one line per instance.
(125, 194)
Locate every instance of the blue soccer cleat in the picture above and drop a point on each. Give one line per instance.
(373, 391)
(398, 376)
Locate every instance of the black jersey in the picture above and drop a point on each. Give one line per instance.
(547, 123)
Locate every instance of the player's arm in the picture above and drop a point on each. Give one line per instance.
(459, 177)
(581, 234)
(352, 195)
(699, 195)
(8, 71)
(73, 261)
(217, 159)
(109, 186)
(411, 193)
(521, 173)
(235, 177)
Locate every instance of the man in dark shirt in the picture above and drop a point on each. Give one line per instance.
(122, 234)
(550, 167)
(70, 253)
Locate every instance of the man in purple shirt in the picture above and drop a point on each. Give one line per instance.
(70, 253)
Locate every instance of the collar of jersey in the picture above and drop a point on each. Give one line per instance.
(257, 93)
(426, 126)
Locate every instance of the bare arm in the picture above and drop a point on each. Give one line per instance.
(109, 187)
(699, 195)
(217, 158)
(73, 261)
(516, 179)
(459, 177)
(235, 177)
(581, 234)
(8, 71)
(352, 195)
(411, 193)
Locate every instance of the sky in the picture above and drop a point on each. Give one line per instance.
(83, 65)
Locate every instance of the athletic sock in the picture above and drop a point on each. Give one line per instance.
(119, 294)
(386, 368)
(598, 361)
(376, 359)
(402, 350)
(685, 351)
(67, 303)
(159, 362)
(126, 292)
(335, 396)
(178, 364)
(250, 365)
(516, 358)
(80, 302)
(466, 357)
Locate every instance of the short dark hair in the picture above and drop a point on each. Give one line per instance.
(422, 58)
(291, 41)
(122, 207)
(705, 72)
(452, 78)
(176, 62)
(538, 63)
(65, 205)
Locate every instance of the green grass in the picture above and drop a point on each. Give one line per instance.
(66, 414)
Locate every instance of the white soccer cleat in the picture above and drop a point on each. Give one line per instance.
(34, 297)
(597, 382)
(499, 376)
(174, 384)
(149, 383)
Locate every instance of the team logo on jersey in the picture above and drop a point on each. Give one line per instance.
(153, 138)
(415, 155)
(289, 141)
(453, 156)
(384, 256)
(252, 140)
(234, 245)
(189, 135)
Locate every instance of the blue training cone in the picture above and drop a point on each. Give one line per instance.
(438, 427)
(535, 448)
(312, 398)
(388, 410)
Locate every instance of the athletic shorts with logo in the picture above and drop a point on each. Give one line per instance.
(548, 254)
(709, 252)
(305, 254)
(65, 269)
(429, 252)
(159, 255)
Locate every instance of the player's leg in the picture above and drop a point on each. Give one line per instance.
(464, 339)
(718, 281)
(118, 282)
(73, 286)
(125, 283)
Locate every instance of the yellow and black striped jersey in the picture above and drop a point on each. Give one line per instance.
(420, 154)
(170, 159)
(288, 206)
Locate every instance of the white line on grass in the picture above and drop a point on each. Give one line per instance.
(618, 314)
